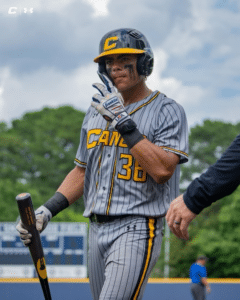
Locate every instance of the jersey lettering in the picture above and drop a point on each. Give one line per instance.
(104, 137)
(94, 143)
(139, 175)
(126, 167)
(114, 138)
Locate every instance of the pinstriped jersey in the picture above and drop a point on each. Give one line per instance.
(115, 184)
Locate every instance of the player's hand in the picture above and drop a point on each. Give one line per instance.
(25, 236)
(43, 216)
(109, 103)
(178, 212)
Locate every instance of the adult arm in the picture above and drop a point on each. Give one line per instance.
(220, 180)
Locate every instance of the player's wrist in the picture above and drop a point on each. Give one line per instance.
(56, 203)
(45, 210)
(130, 133)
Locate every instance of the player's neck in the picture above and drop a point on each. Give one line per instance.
(136, 93)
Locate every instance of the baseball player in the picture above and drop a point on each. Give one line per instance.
(132, 142)
(221, 179)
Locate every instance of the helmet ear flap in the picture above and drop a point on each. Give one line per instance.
(145, 64)
(102, 67)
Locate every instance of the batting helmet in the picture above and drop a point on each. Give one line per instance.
(129, 41)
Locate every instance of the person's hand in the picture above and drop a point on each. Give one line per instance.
(43, 216)
(179, 217)
(208, 289)
(109, 103)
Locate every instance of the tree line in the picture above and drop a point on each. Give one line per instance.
(38, 150)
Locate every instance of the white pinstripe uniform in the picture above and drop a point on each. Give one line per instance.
(123, 252)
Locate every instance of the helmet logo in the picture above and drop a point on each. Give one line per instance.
(107, 45)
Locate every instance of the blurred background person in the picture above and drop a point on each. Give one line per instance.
(198, 276)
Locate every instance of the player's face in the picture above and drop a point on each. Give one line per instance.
(122, 68)
(204, 262)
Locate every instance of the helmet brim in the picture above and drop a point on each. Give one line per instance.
(118, 51)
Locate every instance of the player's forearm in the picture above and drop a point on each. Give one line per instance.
(72, 185)
(69, 191)
(158, 163)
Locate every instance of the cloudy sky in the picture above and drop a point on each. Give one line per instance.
(47, 50)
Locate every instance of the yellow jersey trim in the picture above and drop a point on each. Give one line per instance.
(80, 162)
(174, 150)
(112, 183)
(144, 104)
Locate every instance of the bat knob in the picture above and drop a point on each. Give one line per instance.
(23, 196)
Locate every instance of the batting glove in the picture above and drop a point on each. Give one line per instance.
(43, 216)
(109, 103)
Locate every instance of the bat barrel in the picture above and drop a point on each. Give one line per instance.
(28, 218)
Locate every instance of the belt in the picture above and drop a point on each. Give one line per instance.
(105, 219)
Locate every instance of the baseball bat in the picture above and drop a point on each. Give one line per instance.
(28, 218)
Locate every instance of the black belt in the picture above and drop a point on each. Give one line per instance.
(105, 219)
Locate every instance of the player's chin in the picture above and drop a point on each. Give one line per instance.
(120, 89)
(121, 86)
(120, 82)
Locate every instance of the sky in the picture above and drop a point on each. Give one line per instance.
(47, 50)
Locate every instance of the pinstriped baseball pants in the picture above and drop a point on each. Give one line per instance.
(122, 254)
